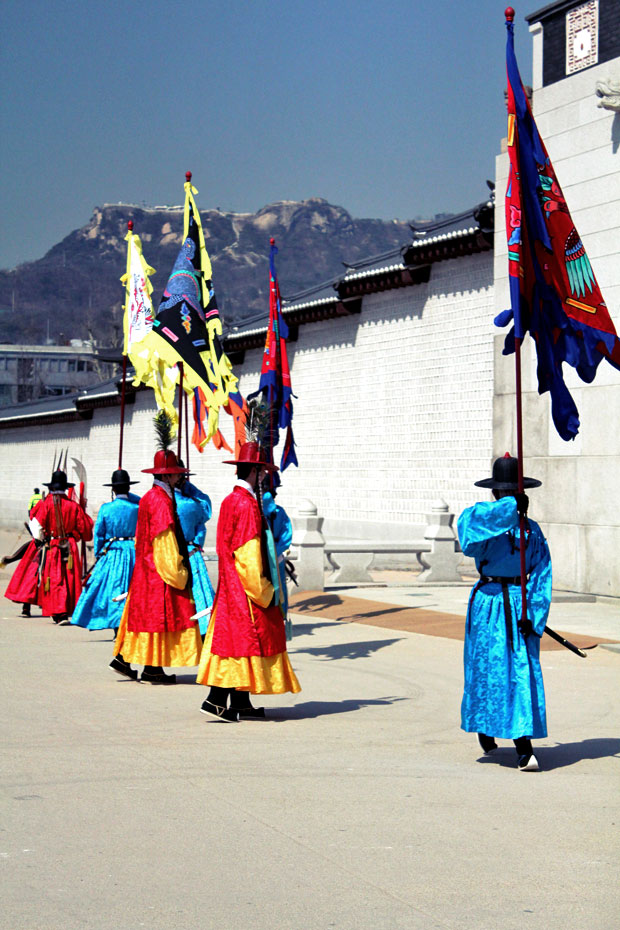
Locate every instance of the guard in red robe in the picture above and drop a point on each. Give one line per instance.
(245, 648)
(157, 628)
(61, 523)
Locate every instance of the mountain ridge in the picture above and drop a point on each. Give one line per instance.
(75, 285)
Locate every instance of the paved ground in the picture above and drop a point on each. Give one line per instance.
(359, 805)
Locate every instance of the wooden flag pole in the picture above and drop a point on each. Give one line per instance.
(124, 382)
(185, 402)
(120, 448)
(180, 429)
(520, 488)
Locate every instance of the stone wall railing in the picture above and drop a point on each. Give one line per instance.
(437, 552)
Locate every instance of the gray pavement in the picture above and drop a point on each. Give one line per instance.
(359, 805)
(570, 612)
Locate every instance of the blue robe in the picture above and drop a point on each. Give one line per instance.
(194, 510)
(112, 573)
(504, 694)
(282, 530)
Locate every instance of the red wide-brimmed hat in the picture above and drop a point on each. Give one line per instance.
(249, 454)
(165, 463)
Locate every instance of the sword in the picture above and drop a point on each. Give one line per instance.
(201, 613)
(567, 644)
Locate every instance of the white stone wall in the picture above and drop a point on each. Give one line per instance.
(394, 410)
(579, 504)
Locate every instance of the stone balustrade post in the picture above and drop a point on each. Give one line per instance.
(309, 545)
(440, 564)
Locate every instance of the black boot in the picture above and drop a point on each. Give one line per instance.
(119, 665)
(240, 701)
(215, 705)
(155, 675)
(527, 761)
(25, 610)
(487, 743)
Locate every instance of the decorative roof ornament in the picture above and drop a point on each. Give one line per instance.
(609, 92)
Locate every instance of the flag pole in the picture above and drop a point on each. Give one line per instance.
(509, 13)
(185, 402)
(272, 243)
(180, 429)
(124, 382)
(522, 537)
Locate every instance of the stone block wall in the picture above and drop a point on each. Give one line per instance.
(394, 410)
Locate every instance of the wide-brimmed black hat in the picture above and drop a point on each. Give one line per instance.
(506, 476)
(59, 481)
(119, 477)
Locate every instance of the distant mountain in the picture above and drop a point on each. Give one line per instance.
(76, 287)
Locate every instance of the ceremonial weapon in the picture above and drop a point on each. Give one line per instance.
(201, 614)
(81, 473)
(290, 571)
(567, 644)
(7, 559)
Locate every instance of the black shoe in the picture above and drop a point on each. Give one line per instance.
(487, 743)
(250, 713)
(60, 619)
(123, 668)
(528, 763)
(158, 678)
(220, 713)
(25, 610)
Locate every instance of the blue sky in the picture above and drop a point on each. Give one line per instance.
(390, 109)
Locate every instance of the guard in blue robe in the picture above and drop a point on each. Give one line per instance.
(504, 694)
(115, 556)
(194, 510)
(282, 530)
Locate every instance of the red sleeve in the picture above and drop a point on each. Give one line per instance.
(37, 509)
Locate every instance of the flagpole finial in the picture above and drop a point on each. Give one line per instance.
(509, 13)
(188, 176)
(130, 225)
(272, 241)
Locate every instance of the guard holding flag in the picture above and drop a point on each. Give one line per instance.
(504, 694)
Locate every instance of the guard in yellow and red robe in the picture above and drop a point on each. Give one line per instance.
(245, 648)
(157, 629)
(62, 523)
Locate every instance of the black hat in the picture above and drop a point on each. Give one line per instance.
(119, 477)
(506, 476)
(59, 482)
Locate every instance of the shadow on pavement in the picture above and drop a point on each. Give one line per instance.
(325, 708)
(360, 650)
(303, 629)
(556, 757)
(559, 756)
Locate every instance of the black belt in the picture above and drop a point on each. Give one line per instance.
(118, 538)
(498, 579)
(504, 582)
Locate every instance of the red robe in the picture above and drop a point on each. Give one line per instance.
(61, 582)
(154, 606)
(236, 631)
(24, 584)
